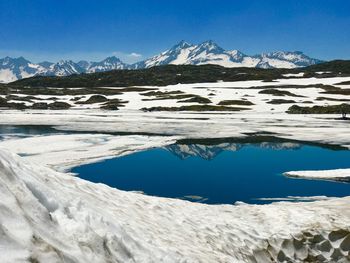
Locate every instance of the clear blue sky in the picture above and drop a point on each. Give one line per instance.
(54, 29)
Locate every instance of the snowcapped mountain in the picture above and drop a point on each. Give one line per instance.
(84, 64)
(282, 59)
(107, 64)
(170, 56)
(183, 53)
(46, 64)
(63, 68)
(209, 152)
(209, 52)
(12, 69)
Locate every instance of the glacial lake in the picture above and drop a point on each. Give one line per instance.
(223, 173)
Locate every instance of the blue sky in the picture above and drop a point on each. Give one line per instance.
(133, 30)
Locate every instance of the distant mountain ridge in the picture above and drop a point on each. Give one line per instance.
(209, 52)
(209, 152)
(183, 53)
(107, 64)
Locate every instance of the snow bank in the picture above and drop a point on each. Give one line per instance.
(47, 216)
(335, 175)
(300, 74)
(312, 128)
(63, 152)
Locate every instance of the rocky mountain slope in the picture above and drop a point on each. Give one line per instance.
(209, 52)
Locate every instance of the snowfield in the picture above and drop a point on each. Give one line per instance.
(336, 174)
(247, 91)
(47, 216)
(62, 152)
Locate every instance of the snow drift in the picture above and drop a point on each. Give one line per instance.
(342, 175)
(47, 216)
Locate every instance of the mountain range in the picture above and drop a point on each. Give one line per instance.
(209, 152)
(183, 53)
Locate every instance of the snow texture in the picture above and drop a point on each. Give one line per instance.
(335, 175)
(48, 216)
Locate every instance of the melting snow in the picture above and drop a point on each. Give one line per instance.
(48, 216)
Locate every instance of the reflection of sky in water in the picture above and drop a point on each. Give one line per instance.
(223, 173)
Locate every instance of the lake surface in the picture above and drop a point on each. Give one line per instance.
(222, 173)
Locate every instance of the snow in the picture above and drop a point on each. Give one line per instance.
(66, 151)
(335, 175)
(183, 53)
(259, 118)
(300, 74)
(296, 198)
(25, 74)
(209, 52)
(6, 75)
(250, 62)
(277, 63)
(298, 127)
(48, 216)
(239, 90)
(323, 72)
(182, 57)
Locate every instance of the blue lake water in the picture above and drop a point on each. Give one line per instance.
(223, 173)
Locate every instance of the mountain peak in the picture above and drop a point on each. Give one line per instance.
(210, 46)
(64, 61)
(109, 63)
(20, 60)
(208, 43)
(181, 44)
(83, 64)
(111, 59)
(45, 64)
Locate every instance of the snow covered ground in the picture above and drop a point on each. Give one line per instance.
(313, 128)
(66, 151)
(261, 117)
(248, 91)
(50, 216)
(336, 174)
(129, 119)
